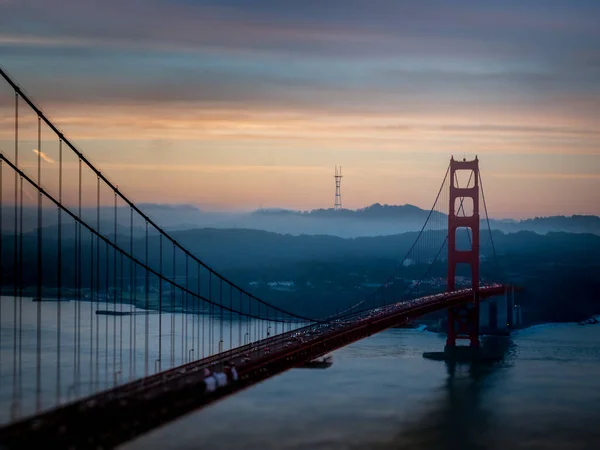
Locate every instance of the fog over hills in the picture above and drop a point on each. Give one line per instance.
(322, 274)
(374, 220)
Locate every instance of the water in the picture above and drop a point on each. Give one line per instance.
(97, 352)
(382, 394)
(379, 394)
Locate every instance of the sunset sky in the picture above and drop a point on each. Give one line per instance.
(236, 104)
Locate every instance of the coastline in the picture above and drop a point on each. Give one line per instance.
(591, 320)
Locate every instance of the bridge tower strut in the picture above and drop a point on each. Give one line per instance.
(463, 321)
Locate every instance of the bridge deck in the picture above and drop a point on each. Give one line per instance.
(120, 414)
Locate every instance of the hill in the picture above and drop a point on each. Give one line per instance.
(374, 220)
(323, 273)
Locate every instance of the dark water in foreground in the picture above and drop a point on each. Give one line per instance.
(382, 394)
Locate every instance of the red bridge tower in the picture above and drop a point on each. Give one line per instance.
(463, 321)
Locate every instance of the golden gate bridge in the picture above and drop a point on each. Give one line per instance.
(111, 327)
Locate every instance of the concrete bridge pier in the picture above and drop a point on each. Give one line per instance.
(495, 316)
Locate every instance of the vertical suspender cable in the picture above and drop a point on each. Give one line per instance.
(75, 255)
(248, 324)
(92, 295)
(183, 355)
(487, 218)
(173, 314)
(146, 306)
(79, 283)
(230, 317)
(38, 327)
(256, 322)
(1, 257)
(160, 295)
(185, 311)
(240, 322)
(97, 280)
(121, 318)
(132, 294)
(107, 293)
(134, 332)
(20, 327)
(211, 319)
(200, 313)
(114, 296)
(14, 412)
(195, 301)
(220, 315)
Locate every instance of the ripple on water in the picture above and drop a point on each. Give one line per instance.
(381, 394)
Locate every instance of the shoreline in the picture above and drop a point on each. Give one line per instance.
(418, 325)
(594, 319)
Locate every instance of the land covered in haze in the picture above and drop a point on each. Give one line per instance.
(319, 275)
(374, 220)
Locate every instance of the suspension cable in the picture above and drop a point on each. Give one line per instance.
(416, 285)
(19, 91)
(400, 265)
(149, 270)
(487, 218)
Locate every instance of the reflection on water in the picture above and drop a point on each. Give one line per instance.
(80, 352)
(382, 394)
(460, 418)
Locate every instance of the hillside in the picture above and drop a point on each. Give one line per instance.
(374, 220)
(324, 273)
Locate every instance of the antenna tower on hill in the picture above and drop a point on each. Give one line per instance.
(338, 193)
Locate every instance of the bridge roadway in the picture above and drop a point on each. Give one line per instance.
(112, 417)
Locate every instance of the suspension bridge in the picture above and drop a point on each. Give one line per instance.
(110, 327)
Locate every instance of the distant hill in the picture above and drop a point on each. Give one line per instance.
(543, 225)
(559, 271)
(373, 220)
(375, 211)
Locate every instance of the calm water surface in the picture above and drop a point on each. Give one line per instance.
(382, 394)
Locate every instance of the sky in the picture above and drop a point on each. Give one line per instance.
(237, 104)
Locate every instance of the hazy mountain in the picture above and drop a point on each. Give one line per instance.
(543, 225)
(326, 273)
(374, 220)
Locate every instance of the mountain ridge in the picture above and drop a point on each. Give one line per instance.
(373, 220)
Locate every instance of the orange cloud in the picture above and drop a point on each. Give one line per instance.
(43, 156)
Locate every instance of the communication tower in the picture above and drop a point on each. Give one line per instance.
(338, 193)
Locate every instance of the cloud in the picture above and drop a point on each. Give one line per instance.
(493, 128)
(326, 25)
(239, 85)
(43, 156)
(213, 168)
(548, 176)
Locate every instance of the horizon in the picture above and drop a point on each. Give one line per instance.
(286, 209)
(201, 209)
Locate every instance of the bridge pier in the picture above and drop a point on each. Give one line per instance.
(495, 316)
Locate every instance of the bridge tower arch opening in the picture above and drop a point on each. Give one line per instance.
(463, 321)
